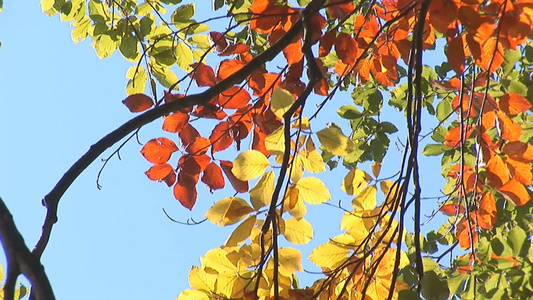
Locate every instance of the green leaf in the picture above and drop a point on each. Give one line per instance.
(163, 74)
(439, 133)
(80, 29)
(129, 46)
(434, 149)
(171, 2)
(349, 112)
(335, 141)
(388, 127)
(137, 80)
(105, 45)
(510, 58)
(444, 109)
(517, 238)
(184, 57)
(183, 13)
(433, 287)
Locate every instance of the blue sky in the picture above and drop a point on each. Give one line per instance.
(58, 98)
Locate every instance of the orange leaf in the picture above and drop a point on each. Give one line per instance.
(234, 49)
(258, 141)
(519, 151)
(317, 23)
(510, 131)
(138, 102)
(264, 83)
(169, 97)
(228, 67)
(346, 48)
(456, 54)
(497, 172)
(453, 136)
(233, 98)
(185, 190)
(487, 211)
(188, 134)
(162, 172)
(193, 164)
(175, 122)
(520, 171)
(491, 49)
(203, 75)
(513, 103)
(452, 209)
(515, 192)
(212, 177)
(326, 42)
(158, 151)
(274, 16)
(220, 137)
(466, 106)
(198, 146)
(238, 185)
(464, 234)
(218, 40)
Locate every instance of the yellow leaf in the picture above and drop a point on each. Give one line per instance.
(192, 295)
(290, 261)
(250, 164)
(335, 141)
(275, 142)
(312, 190)
(201, 280)
(293, 203)
(310, 159)
(357, 223)
(281, 102)
(391, 191)
(232, 287)
(184, 57)
(217, 260)
(355, 181)
(241, 232)
(301, 123)
(329, 256)
(296, 170)
(261, 194)
(376, 168)
(366, 200)
(298, 231)
(228, 211)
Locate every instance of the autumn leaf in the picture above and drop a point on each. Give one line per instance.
(452, 209)
(465, 235)
(335, 141)
(513, 103)
(329, 256)
(185, 190)
(519, 151)
(355, 181)
(228, 211)
(282, 100)
(453, 136)
(188, 134)
(212, 177)
(487, 211)
(297, 231)
(312, 190)
(234, 98)
(346, 48)
(220, 137)
(218, 40)
(510, 131)
(158, 151)
(203, 75)
(366, 200)
(162, 172)
(261, 194)
(237, 184)
(497, 172)
(290, 261)
(228, 67)
(249, 164)
(193, 164)
(242, 232)
(175, 122)
(515, 192)
(138, 102)
(198, 146)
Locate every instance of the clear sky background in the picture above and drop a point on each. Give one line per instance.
(57, 99)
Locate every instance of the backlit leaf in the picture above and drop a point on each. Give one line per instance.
(241, 232)
(510, 131)
(346, 48)
(298, 231)
(250, 164)
(203, 75)
(175, 122)
(275, 142)
(184, 57)
(290, 261)
(162, 172)
(201, 280)
(452, 209)
(158, 151)
(192, 294)
(237, 184)
(513, 103)
(515, 192)
(228, 211)
(185, 190)
(366, 200)
(355, 181)
(497, 172)
(234, 98)
(261, 194)
(329, 256)
(311, 159)
(487, 211)
(335, 141)
(212, 177)
(198, 146)
(282, 100)
(312, 190)
(217, 260)
(138, 102)
(220, 137)
(228, 68)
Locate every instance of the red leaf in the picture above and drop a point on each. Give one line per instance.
(188, 134)
(228, 67)
(235, 49)
(238, 185)
(212, 177)
(326, 42)
(198, 146)
(138, 102)
(172, 97)
(452, 209)
(220, 137)
(203, 75)
(346, 48)
(162, 172)
(185, 190)
(261, 83)
(487, 211)
(514, 104)
(510, 131)
(258, 141)
(193, 164)
(209, 111)
(340, 11)
(233, 98)
(175, 122)
(317, 24)
(158, 151)
(515, 192)
(218, 40)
